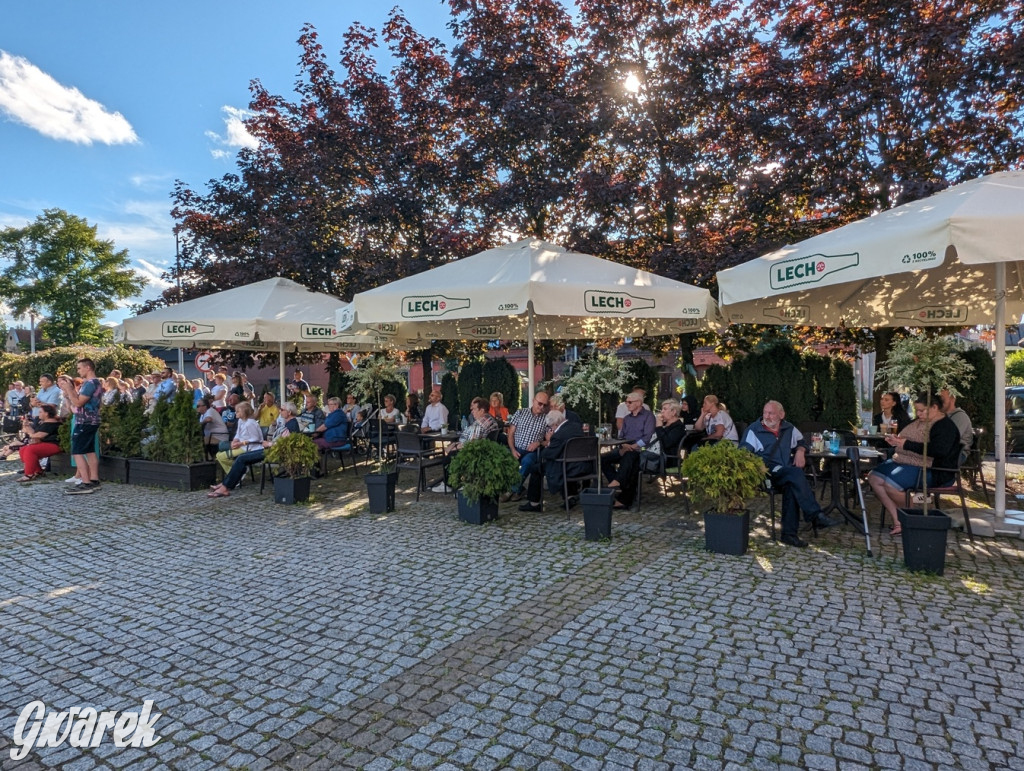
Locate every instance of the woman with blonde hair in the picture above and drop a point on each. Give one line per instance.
(497, 407)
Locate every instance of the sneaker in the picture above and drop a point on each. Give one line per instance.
(73, 481)
(82, 489)
(917, 499)
(442, 488)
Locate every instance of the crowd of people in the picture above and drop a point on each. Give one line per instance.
(238, 427)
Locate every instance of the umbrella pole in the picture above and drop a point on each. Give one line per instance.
(280, 364)
(1000, 427)
(529, 351)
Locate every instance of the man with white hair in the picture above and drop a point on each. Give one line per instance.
(782, 448)
(559, 432)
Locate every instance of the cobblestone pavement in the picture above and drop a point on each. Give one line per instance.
(321, 636)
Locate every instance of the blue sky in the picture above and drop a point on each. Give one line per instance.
(103, 104)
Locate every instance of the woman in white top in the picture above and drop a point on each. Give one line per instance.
(715, 422)
(248, 437)
(390, 413)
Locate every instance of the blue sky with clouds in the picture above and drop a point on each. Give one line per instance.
(104, 104)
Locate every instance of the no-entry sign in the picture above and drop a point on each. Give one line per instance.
(203, 361)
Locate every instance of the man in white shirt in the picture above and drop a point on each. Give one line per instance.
(49, 393)
(435, 416)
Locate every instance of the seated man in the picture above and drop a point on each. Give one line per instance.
(482, 425)
(784, 452)
(560, 431)
(267, 414)
(311, 417)
(904, 470)
(525, 430)
(621, 466)
(435, 416)
(961, 420)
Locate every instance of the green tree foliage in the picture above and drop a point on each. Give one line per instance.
(1015, 368)
(810, 387)
(175, 434)
(499, 375)
(122, 426)
(976, 394)
(640, 373)
(470, 384)
(60, 268)
(450, 398)
(57, 361)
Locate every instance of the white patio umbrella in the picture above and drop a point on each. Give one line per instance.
(532, 289)
(275, 314)
(953, 259)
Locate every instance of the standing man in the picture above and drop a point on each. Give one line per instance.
(526, 430)
(86, 401)
(621, 466)
(435, 416)
(14, 396)
(784, 452)
(298, 383)
(49, 393)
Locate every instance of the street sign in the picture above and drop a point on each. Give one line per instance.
(204, 361)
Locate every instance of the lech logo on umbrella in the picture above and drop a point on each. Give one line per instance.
(945, 314)
(810, 269)
(428, 306)
(185, 329)
(317, 331)
(794, 313)
(615, 302)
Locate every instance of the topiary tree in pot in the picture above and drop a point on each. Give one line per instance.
(295, 455)
(481, 471)
(725, 477)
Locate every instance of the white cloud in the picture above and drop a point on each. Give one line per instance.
(235, 133)
(33, 98)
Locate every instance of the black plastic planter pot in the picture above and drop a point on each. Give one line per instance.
(726, 533)
(288, 490)
(597, 504)
(924, 539)
(484, 510)
(380, 489)
(113, 468)
(175, 476)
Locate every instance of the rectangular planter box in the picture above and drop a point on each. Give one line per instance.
(924, 539)
(113, 469)
(174, 476)
(288, 490)
(484, 510)
(597, 504)
(726, 533)
(60, 464)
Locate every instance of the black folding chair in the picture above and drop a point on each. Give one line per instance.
(578, 451)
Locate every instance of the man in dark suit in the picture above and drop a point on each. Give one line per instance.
(560, 431)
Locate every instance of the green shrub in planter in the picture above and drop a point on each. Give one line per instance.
(295, 454)
(724, 476)
(483, 469)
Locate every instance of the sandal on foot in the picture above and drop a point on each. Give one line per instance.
(217, 494)
(897, 530)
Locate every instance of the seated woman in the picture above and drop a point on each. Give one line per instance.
(669, 431)
(498, 409)
(42, 442)
(412, 409)
(253, 450)
(390, 413)
(333, 432)
(246, 448)
(215, 430)
(716, 424)
(904, 471)
(893, 418)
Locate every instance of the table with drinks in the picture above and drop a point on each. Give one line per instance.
(828, 447)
